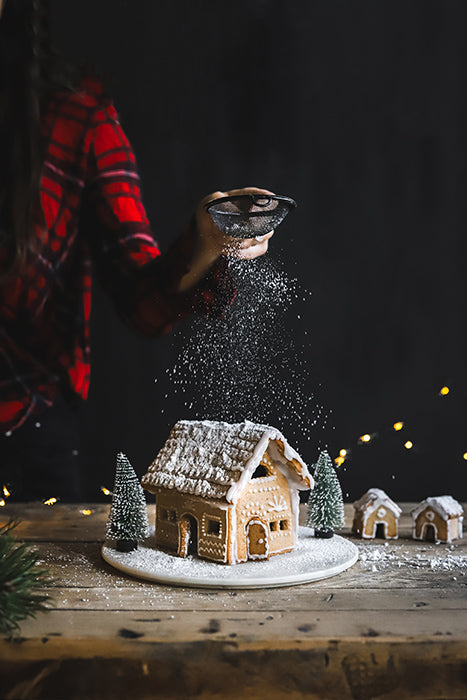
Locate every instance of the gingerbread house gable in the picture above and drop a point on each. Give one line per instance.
(438, 518)
(233, 488)
(376, 515)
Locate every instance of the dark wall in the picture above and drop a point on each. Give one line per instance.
(355, 109)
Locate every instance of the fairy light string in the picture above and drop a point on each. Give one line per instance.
(397, 426)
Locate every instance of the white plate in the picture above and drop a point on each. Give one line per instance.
(313, 559)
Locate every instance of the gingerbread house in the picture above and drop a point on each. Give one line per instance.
(376, 515)
(226, 492)
(438, 518)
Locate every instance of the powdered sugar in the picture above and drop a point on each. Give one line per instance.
(250, 363)
(375, 557)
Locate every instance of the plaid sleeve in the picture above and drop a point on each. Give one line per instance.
(141, 281)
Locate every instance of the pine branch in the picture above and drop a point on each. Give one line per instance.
(20, 580)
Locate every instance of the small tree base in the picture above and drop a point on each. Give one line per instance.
(324, 534)
(126, 545)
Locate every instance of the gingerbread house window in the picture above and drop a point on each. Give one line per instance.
(284, 525)
(167, 514)
(213, 527)
(260, 472)
(274, 525)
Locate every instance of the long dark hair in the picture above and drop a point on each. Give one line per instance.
(29, 75)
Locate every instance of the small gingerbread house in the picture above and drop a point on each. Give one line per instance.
(226, 492)
(438, 518)
(376, 515)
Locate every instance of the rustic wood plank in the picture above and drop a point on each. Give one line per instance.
(300, 598)
(320, 669)
(261, 627)
(59, 523)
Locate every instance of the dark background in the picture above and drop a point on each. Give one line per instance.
(356, 109)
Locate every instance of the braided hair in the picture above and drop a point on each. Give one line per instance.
(30, 73)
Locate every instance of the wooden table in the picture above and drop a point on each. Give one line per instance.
(392, 626)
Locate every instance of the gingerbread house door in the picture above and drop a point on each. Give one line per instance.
(257, 540)
(429, 532)
(187, 536)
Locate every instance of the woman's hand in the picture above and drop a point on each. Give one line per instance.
(212, 242)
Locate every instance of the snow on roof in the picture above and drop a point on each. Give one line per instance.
(374, 498)
(446, 506)
(214, 459)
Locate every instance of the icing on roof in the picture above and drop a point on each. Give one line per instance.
(446, 506)
(215, 460)
(374, 498)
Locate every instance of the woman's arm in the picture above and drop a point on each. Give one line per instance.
(150, 290)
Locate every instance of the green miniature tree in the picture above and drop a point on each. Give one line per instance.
(128, 518)
(21, 581)
(325, 512)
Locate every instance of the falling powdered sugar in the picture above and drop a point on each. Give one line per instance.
(252, 363)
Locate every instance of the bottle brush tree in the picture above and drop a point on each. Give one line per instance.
(325, 512)
(128, 518)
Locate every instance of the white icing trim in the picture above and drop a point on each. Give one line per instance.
(375, 498)
(232, 534)
(424, 528)
(254, 461)
(280, 462)
(446, 506)
(295, 505)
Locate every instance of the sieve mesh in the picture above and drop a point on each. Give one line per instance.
(249, 215)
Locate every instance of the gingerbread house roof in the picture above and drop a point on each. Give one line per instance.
(374, 498)
(215, 460)
(446, 506)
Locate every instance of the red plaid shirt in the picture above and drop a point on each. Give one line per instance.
(44, 313)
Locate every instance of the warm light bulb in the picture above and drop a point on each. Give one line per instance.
(2, 503)
(444, 391)
(339, 461)
(50, 501)
(105, 491)
(86, 511)
(408, 445)
(343, 453)
(465, 456)
(365, 438)
(398, 426)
